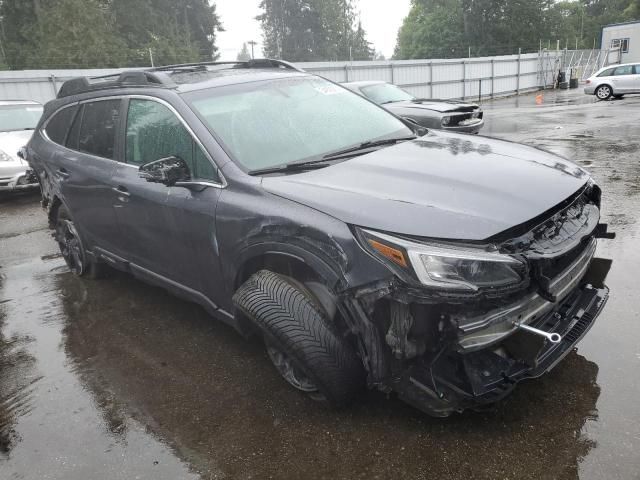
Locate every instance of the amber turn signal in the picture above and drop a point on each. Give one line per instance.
(393, 254)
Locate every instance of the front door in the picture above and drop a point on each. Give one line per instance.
(169, 231)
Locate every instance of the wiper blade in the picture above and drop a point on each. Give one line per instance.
(324, 161)
(366, 146)
(291, 167)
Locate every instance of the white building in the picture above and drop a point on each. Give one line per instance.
(626, 37)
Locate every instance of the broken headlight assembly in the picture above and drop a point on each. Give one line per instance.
(445, 266)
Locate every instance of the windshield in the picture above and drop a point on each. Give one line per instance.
(386, 93)
(266, 124)
(19, 117)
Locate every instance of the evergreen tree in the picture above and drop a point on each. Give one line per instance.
(244, 55)
(312, 30)
(103, 33)
(65, 34)
(447, 28)
(361, 47)
(176, 32)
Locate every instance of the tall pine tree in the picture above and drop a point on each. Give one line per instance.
(312, 30)
(106, 33)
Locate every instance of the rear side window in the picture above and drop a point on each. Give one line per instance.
(59, 124)
(625, 70)
(154, 132)
(607, 73)
(97, 134)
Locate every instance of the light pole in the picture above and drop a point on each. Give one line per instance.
(253, 43)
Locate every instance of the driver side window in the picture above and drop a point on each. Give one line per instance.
(154, 132)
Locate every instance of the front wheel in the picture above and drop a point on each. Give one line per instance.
(604, 92)
(72, 248)
(304, 346)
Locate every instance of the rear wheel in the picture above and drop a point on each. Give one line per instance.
(604, 92)
(72, 248)
(304, 346)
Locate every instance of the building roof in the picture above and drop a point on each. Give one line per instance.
(633, 22)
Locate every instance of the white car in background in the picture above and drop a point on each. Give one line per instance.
(18, 119)
(614, 81)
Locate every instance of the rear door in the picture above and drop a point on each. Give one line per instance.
(84, 170)
(169, 231)
(624, 79)
(636, 79)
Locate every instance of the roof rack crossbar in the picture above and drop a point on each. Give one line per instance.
(255, 63)
(129, 78)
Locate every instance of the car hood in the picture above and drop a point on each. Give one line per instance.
(11, 142)
(434, 105)
(441, 185)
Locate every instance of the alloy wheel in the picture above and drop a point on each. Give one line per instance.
(289, 371)
(603, 92)
(70, 246)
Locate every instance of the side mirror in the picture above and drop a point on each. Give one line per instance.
(167, 171)
(418, 129)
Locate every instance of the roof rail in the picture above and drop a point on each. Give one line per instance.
(255, 63)
(158, 76)
(131, 78)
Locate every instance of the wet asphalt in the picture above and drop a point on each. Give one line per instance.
(114, 379)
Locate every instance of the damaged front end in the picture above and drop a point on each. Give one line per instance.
(459, 325)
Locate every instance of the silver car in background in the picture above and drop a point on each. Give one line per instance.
(614, 81)
(18, 119)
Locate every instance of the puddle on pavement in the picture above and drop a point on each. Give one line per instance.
(51, 424)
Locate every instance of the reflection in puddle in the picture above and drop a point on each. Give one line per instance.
(17, 376)
(50, 425)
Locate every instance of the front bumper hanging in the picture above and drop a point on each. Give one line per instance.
(454, 381)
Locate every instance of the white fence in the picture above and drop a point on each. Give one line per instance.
(465, 78)
(451, 78)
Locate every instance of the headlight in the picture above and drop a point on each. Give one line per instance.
(446, 267)
(5, 157)
(446, 120)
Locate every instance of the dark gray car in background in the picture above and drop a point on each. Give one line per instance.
(443, 267)
(451, 115)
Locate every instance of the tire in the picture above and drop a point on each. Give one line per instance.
(296, 331)
(604, 92)
(72, 248)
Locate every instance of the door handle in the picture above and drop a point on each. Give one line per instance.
(123, 193)
(62, 173)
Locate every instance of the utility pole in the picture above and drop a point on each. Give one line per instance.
(253, 43)
(151, 58)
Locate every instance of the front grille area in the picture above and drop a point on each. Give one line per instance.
(551, 267)
(460, 117)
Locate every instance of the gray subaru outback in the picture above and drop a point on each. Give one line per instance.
(362, 249)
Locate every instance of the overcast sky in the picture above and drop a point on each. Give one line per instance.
(380, 18)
